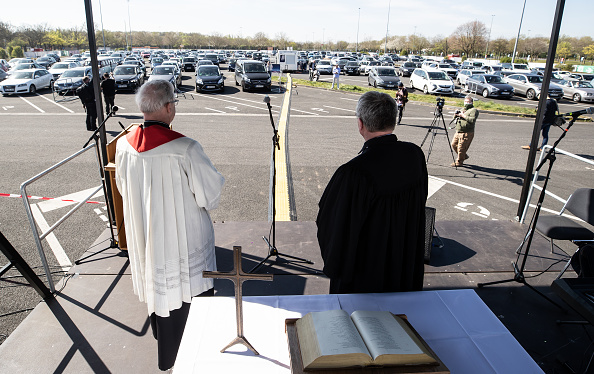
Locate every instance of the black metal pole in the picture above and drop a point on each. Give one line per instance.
(541, 106)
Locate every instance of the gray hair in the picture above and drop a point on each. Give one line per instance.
(377, 111)
(154, 95)
(469, 98)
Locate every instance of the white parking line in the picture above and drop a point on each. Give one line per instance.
(233, 102)
(53, 242)
(331, 107)
(51, 101)
(33, 105)
(214, 110)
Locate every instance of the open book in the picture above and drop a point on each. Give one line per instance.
(333, 339)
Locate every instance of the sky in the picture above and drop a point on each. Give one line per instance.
(307, 20)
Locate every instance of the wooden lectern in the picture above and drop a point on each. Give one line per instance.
(115, 194)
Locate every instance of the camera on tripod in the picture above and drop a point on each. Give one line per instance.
(440, 103)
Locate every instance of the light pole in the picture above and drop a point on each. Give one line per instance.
(489, 38)
(102, 30)
(387, 25)
(323, 35)
(358, 21)
(518, 36)
(129, 24)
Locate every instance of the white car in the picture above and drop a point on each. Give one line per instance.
(432, 81)
(464, 74)
(324, 67)
(26, 81)
(59, 67)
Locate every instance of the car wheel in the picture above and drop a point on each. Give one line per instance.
(577, 98)
(197, 89)
(485, 93)
(32, 89)
(531, 95)
(410, 83)
(458, 81)
(243, 87)
(425, 90)
(375, 84)
(236, 82)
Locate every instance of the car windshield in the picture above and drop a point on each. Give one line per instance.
(585, 85)
(73, 74)
(120, 70)
(440, 75)
(493, 79)
(157, 59)
(324, 62)
(352, 63)
(255, 68)
(521, 66)
(208, 71)
(163, 70)
(374, 63)
(23, 66)
(496, 68)
(444, 66)
(212, 57)
(386, 72)
(61, 66)
(189, 59)
(409, 65)
(534, 79)
(23, 75)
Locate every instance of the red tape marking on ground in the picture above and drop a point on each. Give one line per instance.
(48, 198)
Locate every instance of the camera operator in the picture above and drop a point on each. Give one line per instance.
(401, 100)
(464, 130)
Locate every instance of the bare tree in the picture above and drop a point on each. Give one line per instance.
(6, 33)
(33, 35)
(470, 37)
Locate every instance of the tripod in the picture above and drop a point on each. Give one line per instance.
(272, 250)
(434, 127)
(519, 272)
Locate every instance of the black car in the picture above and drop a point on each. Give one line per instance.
(252, 74)
(352, 68)
(46, 61)
(231, 64)
(189, 64)
(406, 69)
(128, 77)
(209, 78)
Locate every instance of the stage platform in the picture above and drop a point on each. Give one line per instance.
(96, 324)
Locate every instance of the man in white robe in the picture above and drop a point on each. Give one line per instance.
(168, 185)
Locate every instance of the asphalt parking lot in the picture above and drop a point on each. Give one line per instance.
(234, 129)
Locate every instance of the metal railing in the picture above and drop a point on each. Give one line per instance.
(533, 185)
(39, 237)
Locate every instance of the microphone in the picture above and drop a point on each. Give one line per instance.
(589, 110)
(114, 109)
(267, 99)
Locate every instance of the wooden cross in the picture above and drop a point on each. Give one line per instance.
(238, 277)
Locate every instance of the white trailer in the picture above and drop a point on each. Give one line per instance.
(287, 60)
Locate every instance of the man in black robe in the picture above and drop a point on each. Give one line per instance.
(371, 222)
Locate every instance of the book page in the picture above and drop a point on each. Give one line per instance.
(383, 334)
(337, 333)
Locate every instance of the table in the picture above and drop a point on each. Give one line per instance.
(456, 324)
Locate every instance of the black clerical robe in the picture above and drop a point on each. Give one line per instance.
(371, 222)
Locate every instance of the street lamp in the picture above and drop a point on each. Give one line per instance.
(129, 24)
(517, 37)
(489, 38)
(387, 25)
(323, 35)
(102, 30)
(358, 21)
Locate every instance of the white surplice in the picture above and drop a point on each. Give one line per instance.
(167, 192)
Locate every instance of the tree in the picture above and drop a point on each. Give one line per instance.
(17, 52)
(564, 50)
(6, 33)
(3, 54)
(341, 45)
(589, 52)
(33, 35)
(470, 37)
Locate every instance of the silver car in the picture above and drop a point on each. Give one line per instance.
(578, 91)
(530, 84)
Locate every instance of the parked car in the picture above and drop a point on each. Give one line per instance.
(26, 81)
(55, 56)
(324, 67)
(46, 61)
(252, 74)
(204, 62)
(383, 76)
(4, 65)
(15, 61)
(209, 78)
(517, 68)
(530, 84)
(3, 75)
(450, 71)
(465, 73)
(231, 64)
(352, 68)
(128, 77)
(406, 69)
(71, 79)
(489, 85)
(432, 81)
(168, 73)
(212, 57)
(492, 69)
(59, 67)
(156, 61)
(365, 69)
(189, 64)
(578, 90)
(25, 66)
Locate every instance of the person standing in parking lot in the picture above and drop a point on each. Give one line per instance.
(87, 97)
(401, 100)
(336, 77)
(108, 87)
(464, 130)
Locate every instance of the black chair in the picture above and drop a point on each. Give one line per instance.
(558, 227)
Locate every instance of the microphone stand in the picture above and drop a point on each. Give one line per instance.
(113, 241)
(519, 272)
(272, 250)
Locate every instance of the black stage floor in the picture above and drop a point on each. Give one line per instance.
(97, 324)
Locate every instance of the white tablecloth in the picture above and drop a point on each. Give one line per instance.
(456, 324)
